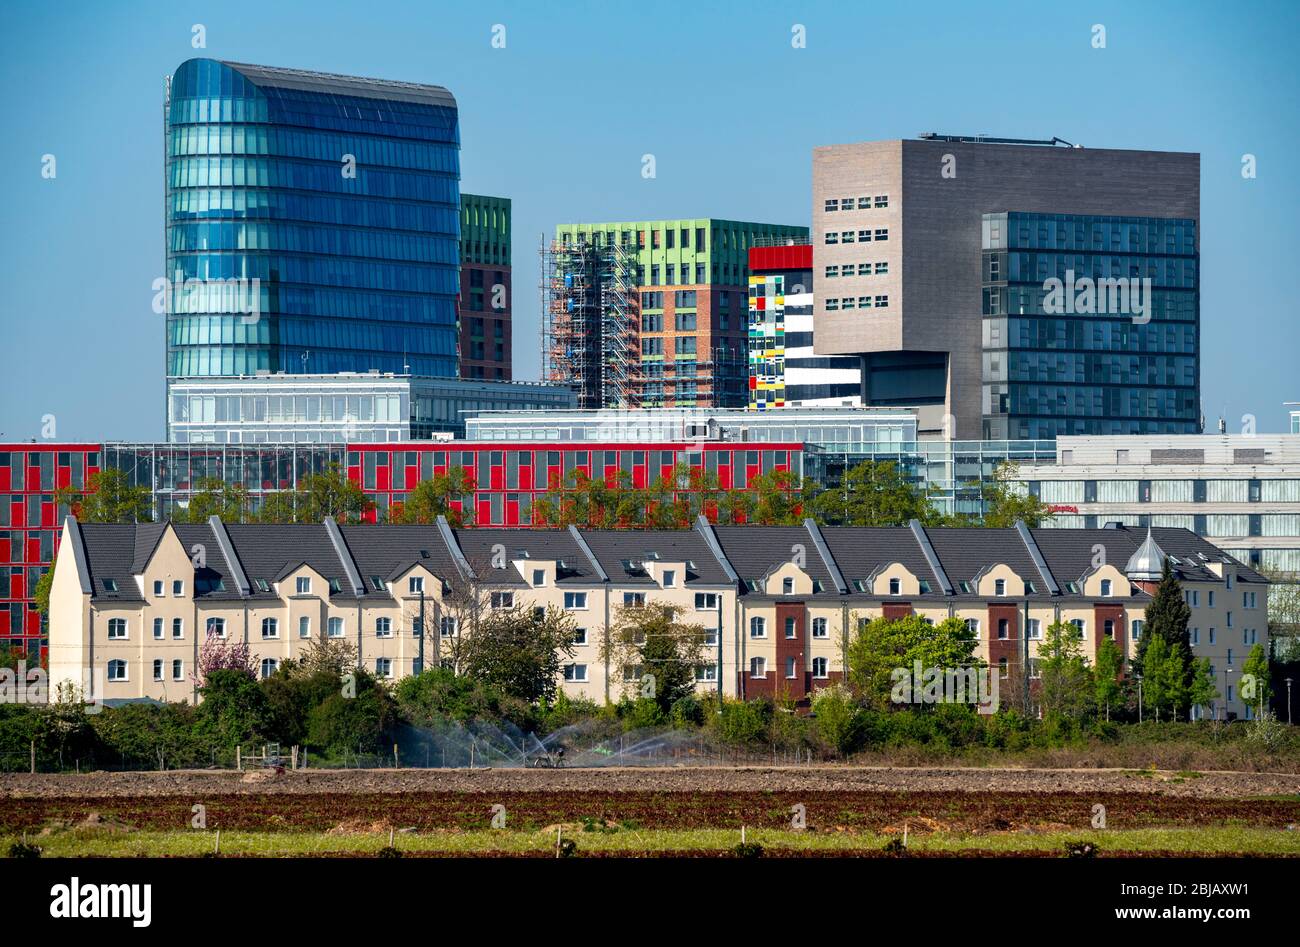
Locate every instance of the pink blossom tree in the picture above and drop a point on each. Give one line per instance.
(218, 654)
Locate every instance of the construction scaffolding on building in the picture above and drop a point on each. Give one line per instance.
(589, 321)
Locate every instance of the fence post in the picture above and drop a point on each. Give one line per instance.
(397, 764)
(33, 757)
(239, 758)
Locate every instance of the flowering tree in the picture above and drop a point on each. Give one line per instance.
(218, 654)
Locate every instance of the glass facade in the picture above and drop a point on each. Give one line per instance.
(1091, 325)
(312, 223)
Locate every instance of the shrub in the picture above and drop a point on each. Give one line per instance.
(840, 722)
(745, 723)
(687, 712)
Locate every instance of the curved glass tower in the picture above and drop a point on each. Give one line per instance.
(312, 223)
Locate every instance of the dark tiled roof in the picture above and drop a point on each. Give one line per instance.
(265, 549)
(110, 553)
(543, 544)
(861, 550)
(965, 552)
(612, 546)
(214, 563)
(1069, 552)
(388, 551)
(754, 551)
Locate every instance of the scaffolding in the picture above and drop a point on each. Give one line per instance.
(590, 309)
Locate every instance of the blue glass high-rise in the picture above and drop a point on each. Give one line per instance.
(338, 195)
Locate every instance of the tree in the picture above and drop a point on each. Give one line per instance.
(1256, 685)
(215, 497)
(1202, 692)
(519, 651)
(873, 493)
(777, 498)
(1166, 618)
(1066, 681)
(331, 495)
(1007, 501)
(883, 645)
(434, 497)
(107, 498)
(654, 639)
(839, 719)
(221, 654)
(1164, 676)
(1106, 674)
(234, 708)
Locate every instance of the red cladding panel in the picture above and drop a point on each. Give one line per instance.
(797, 257)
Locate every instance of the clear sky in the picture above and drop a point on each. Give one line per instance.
(558, 121)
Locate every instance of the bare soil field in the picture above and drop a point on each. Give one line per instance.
(688, 780)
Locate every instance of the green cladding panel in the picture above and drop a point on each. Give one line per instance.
(484, 229)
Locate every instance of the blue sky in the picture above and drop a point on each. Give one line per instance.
(559, 119)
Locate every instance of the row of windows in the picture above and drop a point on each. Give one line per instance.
(189, 140)
(1168, 491)
(1112, 369)
(1163, 305)
(861, 269)
(358, 210)
(1077, 232)
(856, 236)
(438, 188)
(861, 203)
(859, 302)
(758, 668)
(1028, 266)
(201, 296)
(305, 238)
(1090, 334)
(315, 270)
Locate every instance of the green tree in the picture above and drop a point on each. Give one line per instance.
(1256, 684)
(777, 498)
(1106, 674)
(215, 497)
(1006, 500)
(1164, 677)
(329, 494)
(108, 497)
(1066, 681)
(653, 637)
(518, 651)
(434, 497)
(873, 493)
(883, 645)
(234, 708)
(839, 718)
(1202, 692)
(1166, 618)
(359, 723)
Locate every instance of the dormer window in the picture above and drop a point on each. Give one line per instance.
(1000, 587)
(539, 578)
(670, 578)
(376, 583)
(787, 586)
(334, 586)
(895, 586)
(415, 585)
(1106, 588)
(110, 585)
(262, 585)
(303, 586)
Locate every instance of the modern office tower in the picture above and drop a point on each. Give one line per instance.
(783, 369)
(485, 287)
(651, 313)
(312, 223)
(1027, 289)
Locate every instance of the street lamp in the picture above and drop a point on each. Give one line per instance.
(1288, 700)
(1139, 680)
(1226, 672)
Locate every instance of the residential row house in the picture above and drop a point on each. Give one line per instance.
(777, 606)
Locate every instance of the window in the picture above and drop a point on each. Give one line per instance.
(758, 667)
(758, 627)
(1105, 588)
(820, 668)
(415, 585)
(1004, 670)
(706, 672)
(819, 628)
(158, 589)
(383, 628)
(158, 629)
(447, 626)
(670, 578)
(1209, 602)
(1108, 628)
(1135, 629)
(1079, 626)
(116, 629)
(576, 600)
(269, 666)
(178, 588)
(895, 586)
(303, 585)
(832, 271)
(580, 636)
(217, 626)
(178, 627)
(791, 668)
(110, 585)
(334, 628)
(117, 670)
(706, 600)
(1196, 635)
(270, 628)
(503, 600)
(882, 233)
(1035, 629)
(304, 626)
(633, 599)
(1229, 655)
(575, 673)
(383, 667)
(787, 586)
(832, 204)
(1211, 636)
(178, 670)
(791, 626)
(973, 626)
(1000, 587)
(539, 578)
(832, 237)
(1229, 616)
(1004, 629)
(157, 669)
